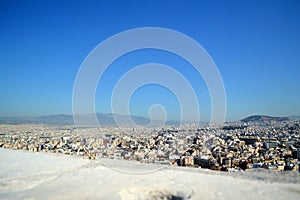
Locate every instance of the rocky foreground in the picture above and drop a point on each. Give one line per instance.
(28, 175)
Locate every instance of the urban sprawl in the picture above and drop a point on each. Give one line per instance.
(272, 145)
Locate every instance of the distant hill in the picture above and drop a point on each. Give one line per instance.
(104, 119)
(294, 117)
(263, 118)
(63, 119)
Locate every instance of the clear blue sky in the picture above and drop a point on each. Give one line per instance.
(255, 44)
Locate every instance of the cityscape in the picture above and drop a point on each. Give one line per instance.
(149, 100)
(271, 143)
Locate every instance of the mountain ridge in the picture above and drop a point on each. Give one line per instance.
(253, 118)
(107, 119)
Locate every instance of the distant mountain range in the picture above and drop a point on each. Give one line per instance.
(63, 119)
(108, 119)
(254, 118)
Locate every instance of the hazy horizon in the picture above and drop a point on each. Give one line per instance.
(143, 117)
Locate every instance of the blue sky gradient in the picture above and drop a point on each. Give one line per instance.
(255, 44)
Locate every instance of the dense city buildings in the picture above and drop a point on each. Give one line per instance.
(269, 144)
